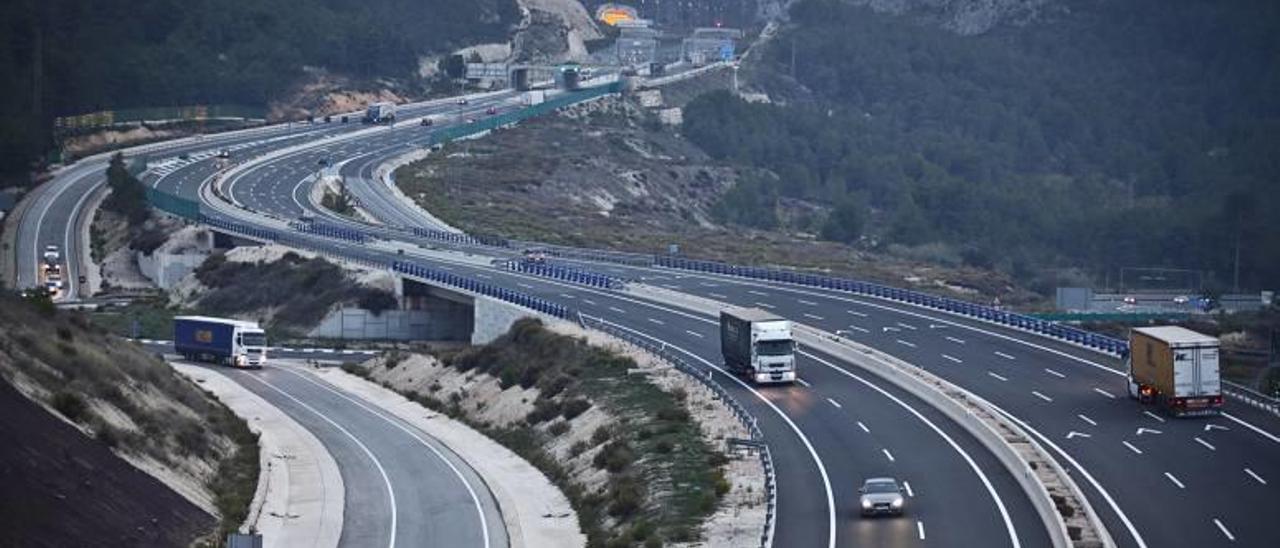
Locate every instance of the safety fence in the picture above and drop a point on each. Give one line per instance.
(242, 229)
(330, 231)
(476, 286)
(1252, 397)
(490, 123)
(168, 203)
(707, 378)
(563, 273)
(445, 236)
(946, 304)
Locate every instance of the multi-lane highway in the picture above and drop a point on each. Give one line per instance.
(1155, 481)
(824, 441)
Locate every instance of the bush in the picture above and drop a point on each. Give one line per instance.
(543, 410)
(579, 447)
(674, 414)
(559, 428)
(600, 436)
(665, 446)
(625, 498)
(574, 408)
(70, 405)
(615, 457)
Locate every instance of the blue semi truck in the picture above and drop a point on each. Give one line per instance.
(220, 340)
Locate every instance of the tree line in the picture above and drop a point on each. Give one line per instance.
(64, 57)
(1112, 134)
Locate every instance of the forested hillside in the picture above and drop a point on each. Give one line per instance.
(1110, 134)
(65, 57)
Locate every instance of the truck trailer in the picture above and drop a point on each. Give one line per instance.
(378, 113)
(758, 344)
(220, 340)
(1175, 367)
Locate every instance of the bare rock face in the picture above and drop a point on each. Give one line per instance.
(966, 17)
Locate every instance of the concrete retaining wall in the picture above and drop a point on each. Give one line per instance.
(445, 322)
(167, 269)
(494, 318)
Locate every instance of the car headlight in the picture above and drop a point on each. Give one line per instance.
(866, 503)
(897, 503)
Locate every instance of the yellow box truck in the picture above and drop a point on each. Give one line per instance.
(1175, 367)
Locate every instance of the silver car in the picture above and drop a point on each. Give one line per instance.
(882, 496)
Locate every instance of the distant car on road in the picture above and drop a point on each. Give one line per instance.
(462, 100)
(881, 496)
(1181, 299)
(491, 111)
(427, 121)
(1130, 300)
(184, 156)
(224, 153)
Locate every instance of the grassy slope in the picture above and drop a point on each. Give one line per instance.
(664, 479)
(130, 401)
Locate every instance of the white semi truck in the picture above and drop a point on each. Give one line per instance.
(220, 340)
(378, 113)
(758, 344)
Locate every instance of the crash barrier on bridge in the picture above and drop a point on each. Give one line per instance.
(299, 241)
(946, 304)
(490, 123)
(475, 286)
(1252, 397)
(707, 378)
(330, 231)
(445, 236)
(584, 254)
(240, 228)
(563, 273)
(168, 203)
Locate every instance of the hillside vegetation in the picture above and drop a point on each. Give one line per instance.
(66, 57)
(134, 404)
(1110, 134)
(626, 452)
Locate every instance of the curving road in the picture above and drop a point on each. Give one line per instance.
(825, 436)
(1155, 481)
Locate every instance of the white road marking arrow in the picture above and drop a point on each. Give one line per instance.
(1209, 427)
(1142, 431)
(1073, 434)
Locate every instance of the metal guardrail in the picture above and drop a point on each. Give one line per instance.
(564, 273)
(1252, 397)
(707, 378)
(955, 306)
(331, 231)
(476, 286)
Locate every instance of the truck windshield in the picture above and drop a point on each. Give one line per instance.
(254, 339)
(774, 348)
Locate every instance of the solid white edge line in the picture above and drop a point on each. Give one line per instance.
(475, 499)
(1124, 518)
(982, 476)
(391, 495)
(822, 469)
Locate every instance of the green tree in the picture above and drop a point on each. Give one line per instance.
(844, 223)
(128, 195)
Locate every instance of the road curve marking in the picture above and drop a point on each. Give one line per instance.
(391, 494)
(475, 499)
